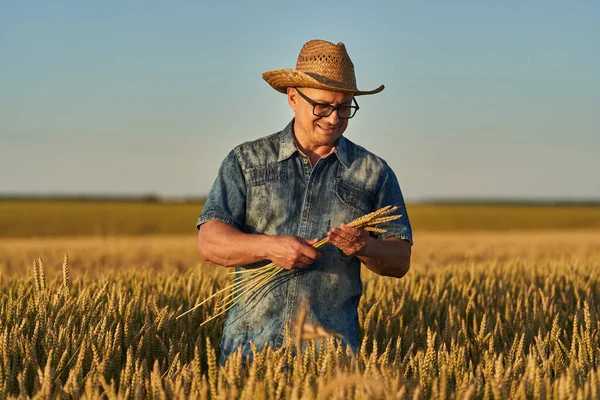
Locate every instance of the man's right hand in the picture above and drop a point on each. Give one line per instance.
(225, 245)
(291, 252)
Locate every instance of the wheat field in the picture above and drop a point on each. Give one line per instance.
(47, 218)
(490, 315)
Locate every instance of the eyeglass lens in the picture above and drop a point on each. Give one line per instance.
(324, 110)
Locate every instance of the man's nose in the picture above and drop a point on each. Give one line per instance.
(333, 118)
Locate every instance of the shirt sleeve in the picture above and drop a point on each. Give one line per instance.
(391, 195)
(226, 200)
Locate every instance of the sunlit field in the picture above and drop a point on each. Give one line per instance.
(64, 218)
(483, 313)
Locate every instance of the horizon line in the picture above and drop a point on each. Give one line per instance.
(155, 198)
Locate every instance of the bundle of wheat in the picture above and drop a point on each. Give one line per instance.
(250, 281)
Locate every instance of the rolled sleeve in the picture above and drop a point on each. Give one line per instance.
(390, 194)
(226, 201)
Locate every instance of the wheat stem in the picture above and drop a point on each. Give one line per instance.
(238, 299)
(247, 282)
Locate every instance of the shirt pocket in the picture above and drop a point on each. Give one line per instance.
(259, 175)
(354, 202)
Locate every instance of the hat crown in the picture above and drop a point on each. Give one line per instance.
(327, 63)
(321, 65)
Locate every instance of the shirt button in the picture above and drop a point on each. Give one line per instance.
(305, 214)
(291, 298)
(305, 161)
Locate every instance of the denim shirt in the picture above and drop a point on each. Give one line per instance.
(267, 186)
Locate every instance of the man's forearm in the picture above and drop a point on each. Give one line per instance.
(225, 245)
(389, 257)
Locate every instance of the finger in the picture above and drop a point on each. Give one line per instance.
(288, 267)
(354, 231)
(359, 233)
(305, 260)
(347, 231)
(337, 240)
(312, 241)
(301, 261)
(344, 235)
(350, 230)
(333, 237)
(343, 245)
(311, 253)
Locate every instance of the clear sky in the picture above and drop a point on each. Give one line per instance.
(131, 97)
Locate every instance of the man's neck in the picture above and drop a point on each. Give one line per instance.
(313, 152)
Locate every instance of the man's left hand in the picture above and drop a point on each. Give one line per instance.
(351, 241)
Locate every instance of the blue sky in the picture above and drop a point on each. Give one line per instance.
(482, 100)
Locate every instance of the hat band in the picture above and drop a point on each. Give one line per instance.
(331, 82)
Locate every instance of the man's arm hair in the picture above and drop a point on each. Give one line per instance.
(388, 257)
(226, 245)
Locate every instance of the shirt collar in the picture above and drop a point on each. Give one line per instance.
(287, 146)
(341, 151)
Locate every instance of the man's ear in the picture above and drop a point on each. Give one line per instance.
(292, 96)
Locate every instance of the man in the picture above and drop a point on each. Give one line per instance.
(277, 196)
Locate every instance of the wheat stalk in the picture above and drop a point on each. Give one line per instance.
(41, 274)
(250, 281)
(305, 331)
(36, 276)
(66, 275)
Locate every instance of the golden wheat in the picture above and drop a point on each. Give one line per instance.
(478, 316)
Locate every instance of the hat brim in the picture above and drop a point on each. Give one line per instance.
(281, 79)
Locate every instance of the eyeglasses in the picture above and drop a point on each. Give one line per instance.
(325, 110)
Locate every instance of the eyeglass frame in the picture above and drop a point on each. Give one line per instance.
(313, 103)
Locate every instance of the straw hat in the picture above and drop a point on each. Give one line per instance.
(321, 65)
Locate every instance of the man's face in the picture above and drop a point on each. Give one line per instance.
(311, 130)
